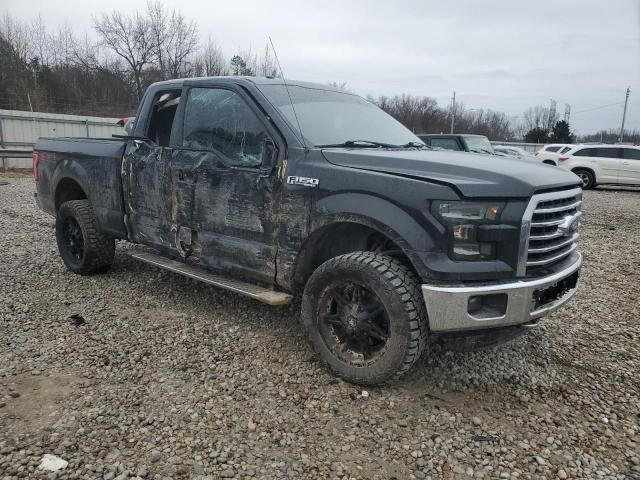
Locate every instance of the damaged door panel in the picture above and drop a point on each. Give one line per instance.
(145, 172)
(220, 190)
(147, 192)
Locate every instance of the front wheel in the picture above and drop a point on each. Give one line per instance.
(365, 317)
(83, 247)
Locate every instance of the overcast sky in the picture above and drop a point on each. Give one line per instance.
(505, 55)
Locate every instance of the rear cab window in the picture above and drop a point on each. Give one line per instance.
(446, 143)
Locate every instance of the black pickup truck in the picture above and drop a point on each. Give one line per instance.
(272, 190)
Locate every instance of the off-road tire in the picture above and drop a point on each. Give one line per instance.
(399, 292)
(98, 248)
(588, 179)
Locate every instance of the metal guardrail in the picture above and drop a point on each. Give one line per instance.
(30, 118)
(19, 131)
(11, 153)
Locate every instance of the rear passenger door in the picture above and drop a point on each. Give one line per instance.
(145, 174)
(604, 161)
(630, 166)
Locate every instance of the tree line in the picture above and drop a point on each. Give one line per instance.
(106, 74)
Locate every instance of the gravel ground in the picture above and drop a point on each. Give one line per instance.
(170, 378)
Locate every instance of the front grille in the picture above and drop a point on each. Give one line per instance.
(547, 234)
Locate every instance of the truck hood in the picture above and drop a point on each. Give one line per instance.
(473, 175)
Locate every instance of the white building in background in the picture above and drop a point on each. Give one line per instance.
(19, 131)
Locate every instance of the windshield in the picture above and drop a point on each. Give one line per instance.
(333, 118)
(478, 143)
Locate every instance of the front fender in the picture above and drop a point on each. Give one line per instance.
(375, 212)
(380, 215)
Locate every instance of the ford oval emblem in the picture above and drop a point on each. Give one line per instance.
(569, 225)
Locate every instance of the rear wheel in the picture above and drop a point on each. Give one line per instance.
(365, 317)
(83, 247)
(588, 179)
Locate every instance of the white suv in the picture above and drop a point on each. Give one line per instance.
(600, 164)
(549, 153)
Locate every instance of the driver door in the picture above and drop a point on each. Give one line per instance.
(223, 186)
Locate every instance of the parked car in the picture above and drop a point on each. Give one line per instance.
(475, 144)
(272, 190)
(458, 142)
(512, 151)
(520, 154)
(603, 164)
(549, 153)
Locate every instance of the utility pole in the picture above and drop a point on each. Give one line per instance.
(624, 115)
(453, 111)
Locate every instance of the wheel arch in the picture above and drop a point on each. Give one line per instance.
(67, 189)
(346, 234)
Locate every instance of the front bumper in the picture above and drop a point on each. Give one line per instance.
(459, 308)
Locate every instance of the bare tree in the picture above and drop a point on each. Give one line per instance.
(175, 39)
(41, 42)
(16, 34)
(181, 43)
(131, 39)
(211, 61)
(159, 26)
(267, 66)
(540, 117)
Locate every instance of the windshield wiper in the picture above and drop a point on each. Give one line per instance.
(359, 144)
(482, 150)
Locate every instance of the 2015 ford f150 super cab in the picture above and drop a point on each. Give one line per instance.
(271, 189)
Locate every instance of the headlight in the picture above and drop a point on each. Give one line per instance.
(462, 220)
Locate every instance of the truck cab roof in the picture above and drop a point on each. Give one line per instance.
(202, 81)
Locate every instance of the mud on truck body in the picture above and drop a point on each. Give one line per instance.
(273, 190)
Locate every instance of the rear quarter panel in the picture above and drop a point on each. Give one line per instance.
(94, 164)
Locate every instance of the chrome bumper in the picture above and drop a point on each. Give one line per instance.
(448, 306)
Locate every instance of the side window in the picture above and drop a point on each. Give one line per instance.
(446, 143)
(585, 152)
(219, 120)
(608, 152)
(565, 149)
(632, 153)
(552, 149)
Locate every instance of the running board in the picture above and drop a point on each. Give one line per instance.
(256, 292)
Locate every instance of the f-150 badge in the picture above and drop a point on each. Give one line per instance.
(304, 181)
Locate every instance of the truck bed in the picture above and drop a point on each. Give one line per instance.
(94, 164)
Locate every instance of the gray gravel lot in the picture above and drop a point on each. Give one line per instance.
(170, 378)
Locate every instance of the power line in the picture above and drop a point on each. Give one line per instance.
(598, 108)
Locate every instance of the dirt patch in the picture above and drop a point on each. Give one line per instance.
(32, 401)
